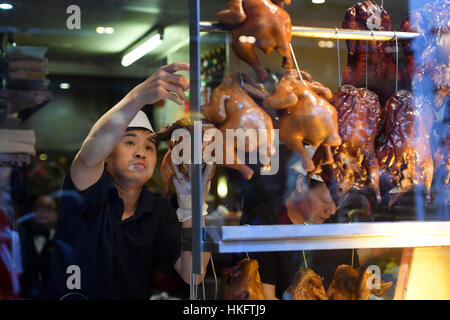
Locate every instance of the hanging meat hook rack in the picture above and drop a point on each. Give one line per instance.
(326, 33)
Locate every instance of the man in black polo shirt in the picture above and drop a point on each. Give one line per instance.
(112, 231)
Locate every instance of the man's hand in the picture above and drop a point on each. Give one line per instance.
(163, 84)
(183, 189)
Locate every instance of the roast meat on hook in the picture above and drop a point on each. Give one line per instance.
(368, 15)
(404, 151)
(355, 163)
(233, 106)
(258, 23)
(307, 116)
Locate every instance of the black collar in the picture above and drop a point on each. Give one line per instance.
(145, 202)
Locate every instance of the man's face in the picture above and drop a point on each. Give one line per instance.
(313, 205)
(320, 203)
(133, 159)
(45, 212)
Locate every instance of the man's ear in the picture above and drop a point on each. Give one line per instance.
(301, 185)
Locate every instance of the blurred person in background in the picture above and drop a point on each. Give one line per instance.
(37, 230)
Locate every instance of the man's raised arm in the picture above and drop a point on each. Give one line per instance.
(87, 166)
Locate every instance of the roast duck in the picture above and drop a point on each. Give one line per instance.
(233, 106)
(368, 15)
(355, 163)
(350, 284)
(269, 25)
(404, 151)
(242, 282)
(427, 57)
(306, 286)
(165, 134)
(307, 117)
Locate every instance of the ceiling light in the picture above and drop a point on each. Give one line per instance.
(103, 30)
(318, 1)
(6, 6)
(141, 50)
(64, 85)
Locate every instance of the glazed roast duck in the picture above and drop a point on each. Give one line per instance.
(355, 163)
(242, 282)
(264, 20)
(165, 134)
(306, 286)
(404, 152)
(349, 284)
(233, 106)
(368, 15)
(307, 117)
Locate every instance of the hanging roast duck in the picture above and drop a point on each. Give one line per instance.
(380, 64)
(307, 286)
(355, 163)
(242, 282)
(307, 116)
(233, 106)
(404, 152)
(350, 284)
(258, 23)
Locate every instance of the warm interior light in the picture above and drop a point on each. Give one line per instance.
(43, 157)
(141, 50)
(318, 1)
(64, 85)
(6, 6)
(222, 187)
(326, 44)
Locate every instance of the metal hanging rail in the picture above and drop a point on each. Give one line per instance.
(327, 33)
(228, 239)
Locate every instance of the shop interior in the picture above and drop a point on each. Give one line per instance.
(82, 74)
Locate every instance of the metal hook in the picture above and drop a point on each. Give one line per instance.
(338, 56)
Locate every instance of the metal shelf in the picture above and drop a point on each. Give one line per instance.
(228, 239)
(326, 33)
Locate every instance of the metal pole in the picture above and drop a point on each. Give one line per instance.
(327, 33)
(196, 151)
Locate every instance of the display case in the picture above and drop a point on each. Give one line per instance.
(390, 210)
